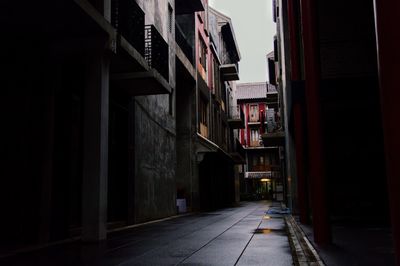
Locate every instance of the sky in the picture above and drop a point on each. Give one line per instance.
(254, 30)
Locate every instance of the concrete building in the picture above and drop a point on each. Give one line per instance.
(207, 148)
(261, 177)
(340, 113)
(103, 118)
(91, 142)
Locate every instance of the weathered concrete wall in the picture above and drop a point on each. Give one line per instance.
(155, 165)
(213, 28)
(185, 96)
(155, 136)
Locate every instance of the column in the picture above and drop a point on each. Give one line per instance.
(321, 226)
(298, 111)
(95, 158)
(388, 41)
(131, 158)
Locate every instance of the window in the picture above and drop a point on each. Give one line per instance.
(254, 137)
(170, 18)
(203, 117)
(203, 54)
(254, 116)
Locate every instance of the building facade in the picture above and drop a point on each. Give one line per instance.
(104, 101)
(207, 145)
(337, 112)
(262, 174)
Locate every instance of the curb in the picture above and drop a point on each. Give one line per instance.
(303, 252)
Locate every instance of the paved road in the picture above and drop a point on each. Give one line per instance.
(234, 236)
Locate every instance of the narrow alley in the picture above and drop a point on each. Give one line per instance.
(232, 236)
(200, 132)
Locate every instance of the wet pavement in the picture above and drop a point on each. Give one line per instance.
(356, 245)
(243, 235)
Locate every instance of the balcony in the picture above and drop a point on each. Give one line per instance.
(156, 51)
(154, 76)
(264, 168)
(128, 18)
(230, 72)
(263, 174)
(272, 100)
(273, 139)
(188, 6)
(236, 117)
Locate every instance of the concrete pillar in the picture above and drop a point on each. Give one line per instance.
(388, 41)
(321, 226)
(132, 165)
(95, 164)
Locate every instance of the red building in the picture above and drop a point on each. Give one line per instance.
(262, 178)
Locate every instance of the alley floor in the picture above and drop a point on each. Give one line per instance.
(235, 236)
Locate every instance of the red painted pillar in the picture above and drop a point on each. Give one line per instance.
(242, 139)
(321, 226)
(298, 114)
(248, 120)
(294, 51)
(388, 41)
(300, 152)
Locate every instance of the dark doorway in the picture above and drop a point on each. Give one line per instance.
(118, 166)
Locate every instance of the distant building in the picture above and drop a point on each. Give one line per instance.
(262, 174)
(207, 149)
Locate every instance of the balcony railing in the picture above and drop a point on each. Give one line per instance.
(181, 40)
(235, 112)
(265, 168)
(236, 117)
(128, 18)
(156, 51)
(263, 174)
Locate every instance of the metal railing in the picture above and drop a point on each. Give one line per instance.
(235, 112)
(128, 18)
(181, 40)
(156, 51)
